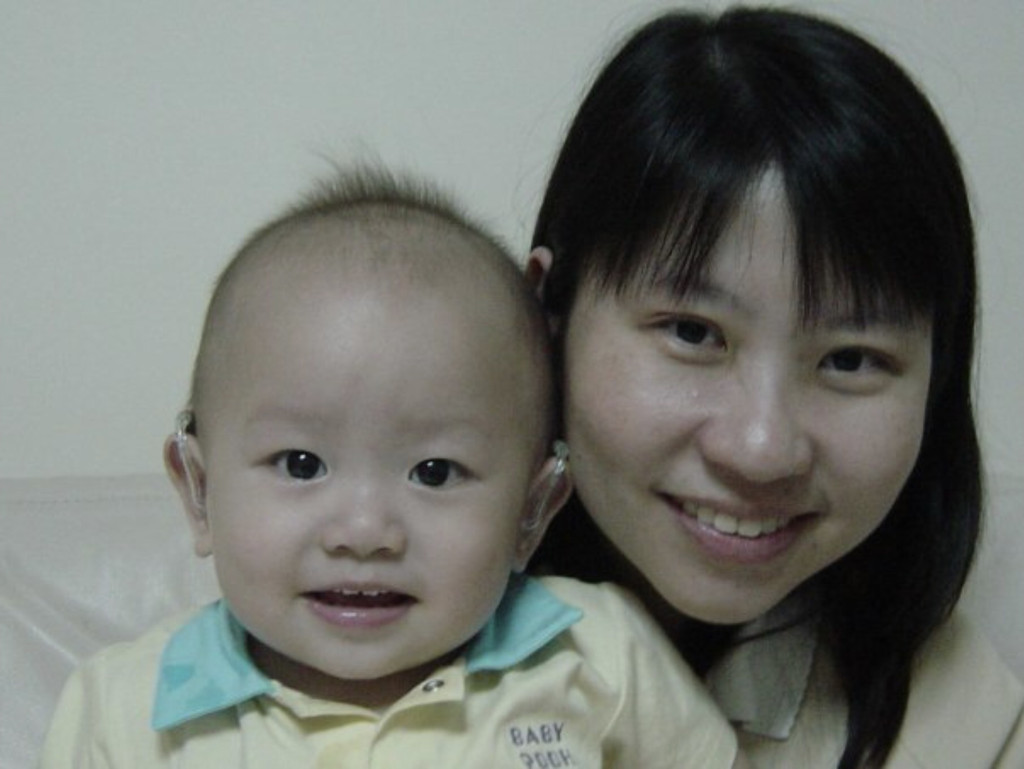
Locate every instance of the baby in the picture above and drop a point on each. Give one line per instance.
(366, 457)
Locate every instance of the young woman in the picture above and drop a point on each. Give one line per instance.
(757, 253)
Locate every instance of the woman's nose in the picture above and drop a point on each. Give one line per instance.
(362, 524)
(758, 433)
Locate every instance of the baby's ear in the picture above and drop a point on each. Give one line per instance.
(549, 492)
(183, 460)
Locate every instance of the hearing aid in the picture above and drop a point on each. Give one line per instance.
(181, 437)
(561, 450)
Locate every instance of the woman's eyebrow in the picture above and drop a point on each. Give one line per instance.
(703, 289)
(885, 316)
(830, 315)
(699, 286)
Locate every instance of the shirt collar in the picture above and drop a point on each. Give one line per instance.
(528, 618)
(205, 666)
(761, 682)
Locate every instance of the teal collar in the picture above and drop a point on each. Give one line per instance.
(205, 666)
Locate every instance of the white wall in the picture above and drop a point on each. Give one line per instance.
(141, 141)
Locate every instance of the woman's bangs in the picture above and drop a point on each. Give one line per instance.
(854, 275)
(669, 235)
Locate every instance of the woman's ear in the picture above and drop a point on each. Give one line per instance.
(538, 265)
(184, 463)
(549, 492)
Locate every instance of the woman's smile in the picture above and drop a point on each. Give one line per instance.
(750, 538)
(751, 526)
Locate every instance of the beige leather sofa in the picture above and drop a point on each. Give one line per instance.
(86, 562)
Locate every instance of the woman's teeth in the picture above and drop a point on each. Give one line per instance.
(751, 528)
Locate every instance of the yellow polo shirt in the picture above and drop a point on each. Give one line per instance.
(564, 675)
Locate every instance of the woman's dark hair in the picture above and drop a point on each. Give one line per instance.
(677, 129)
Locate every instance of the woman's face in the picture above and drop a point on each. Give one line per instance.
(727, 448)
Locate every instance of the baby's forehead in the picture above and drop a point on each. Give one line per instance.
(299, 278)
(321, 273)
(407, 265)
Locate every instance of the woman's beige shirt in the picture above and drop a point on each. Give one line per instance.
(966, 708)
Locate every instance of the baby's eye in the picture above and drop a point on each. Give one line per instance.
(437, 472)
(300, 465)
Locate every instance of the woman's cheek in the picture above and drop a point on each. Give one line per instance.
(882, 453)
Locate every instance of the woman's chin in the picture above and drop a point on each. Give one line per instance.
(734, 604)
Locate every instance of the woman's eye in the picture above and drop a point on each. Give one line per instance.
(851, 360)
(436, 472)
(300, 465)
(693, 332)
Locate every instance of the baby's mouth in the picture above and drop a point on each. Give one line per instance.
(360, 599)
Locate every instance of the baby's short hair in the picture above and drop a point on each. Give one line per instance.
(376, 200)
(369, 191)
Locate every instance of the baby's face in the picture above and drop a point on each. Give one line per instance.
(368, 461)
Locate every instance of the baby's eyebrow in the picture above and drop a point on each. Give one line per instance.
(277, 415)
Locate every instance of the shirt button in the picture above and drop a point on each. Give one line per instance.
(433, 685)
